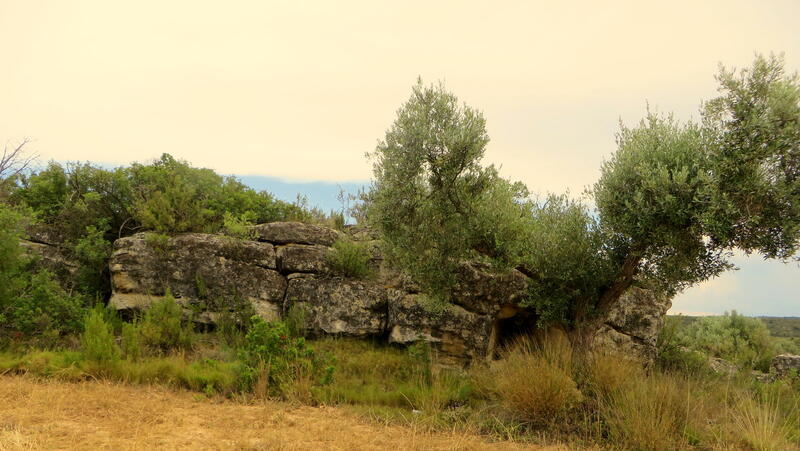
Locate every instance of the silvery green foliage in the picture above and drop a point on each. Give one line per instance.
(672, 202)
(753, 129)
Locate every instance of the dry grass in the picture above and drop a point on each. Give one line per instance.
(48, 414)
(534, 381)
(761, 424)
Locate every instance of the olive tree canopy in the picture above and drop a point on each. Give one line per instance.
(671, 202)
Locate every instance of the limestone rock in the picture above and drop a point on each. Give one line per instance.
(483, 291)
(197, 268)
(338, 306)
(634, 322)
(785, 365)
(295, 232)
(457, 334)
(294, 258)
(722, 366)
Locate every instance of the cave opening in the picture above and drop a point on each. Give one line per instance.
(511, 326)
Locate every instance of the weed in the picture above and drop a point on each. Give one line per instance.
(349, 259)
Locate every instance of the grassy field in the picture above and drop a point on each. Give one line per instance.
(50, 414)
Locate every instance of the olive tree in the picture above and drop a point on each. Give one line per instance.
(671, 203)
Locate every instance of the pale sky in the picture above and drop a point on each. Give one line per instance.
(301, 90)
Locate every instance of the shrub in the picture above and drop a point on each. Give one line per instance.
(31, 302)
(132, 342)
(41, 306)
(276, 363)
(233, 321)
(92, 251)
(97, 340)
(239, 226)
(672, 353)
(349, 259)
(742, 340)
(162, 326)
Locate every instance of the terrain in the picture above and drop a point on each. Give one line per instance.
(50, 414)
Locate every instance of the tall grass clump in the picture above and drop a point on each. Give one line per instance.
(349, 259)
(761, 422)
(648, 413)
(606, 374)
(534, 382)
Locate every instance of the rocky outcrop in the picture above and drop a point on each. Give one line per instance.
(336, 306)
(785, 365)
(295, 232)
(197, 269)
(303, 258)
(456, 333)
(285, 269)
(633, 324)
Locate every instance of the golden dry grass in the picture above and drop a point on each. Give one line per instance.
(49, 414)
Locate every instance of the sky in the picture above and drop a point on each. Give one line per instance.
(293, 94)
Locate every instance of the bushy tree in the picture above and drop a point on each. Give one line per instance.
(172, 196)
(671, 202)
(31, 302)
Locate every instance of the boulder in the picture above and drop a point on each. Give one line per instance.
(722, 366)
(295, 232)
(785, 365)
(455, 333)
(209, 271)
(484, 291)
(294, 258)
(335, 306)
(633, 324)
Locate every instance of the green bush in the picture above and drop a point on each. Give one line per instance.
(349, 259)
(32, 304)
(98, 341)
(42, 306)
(132, 342)
(162, 327)
(239, 226)
(739, 339)
(92, 251)
(275, 363)
(672, 352)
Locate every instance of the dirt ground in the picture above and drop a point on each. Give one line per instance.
(37, 414)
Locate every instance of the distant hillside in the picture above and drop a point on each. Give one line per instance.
(788, 326)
